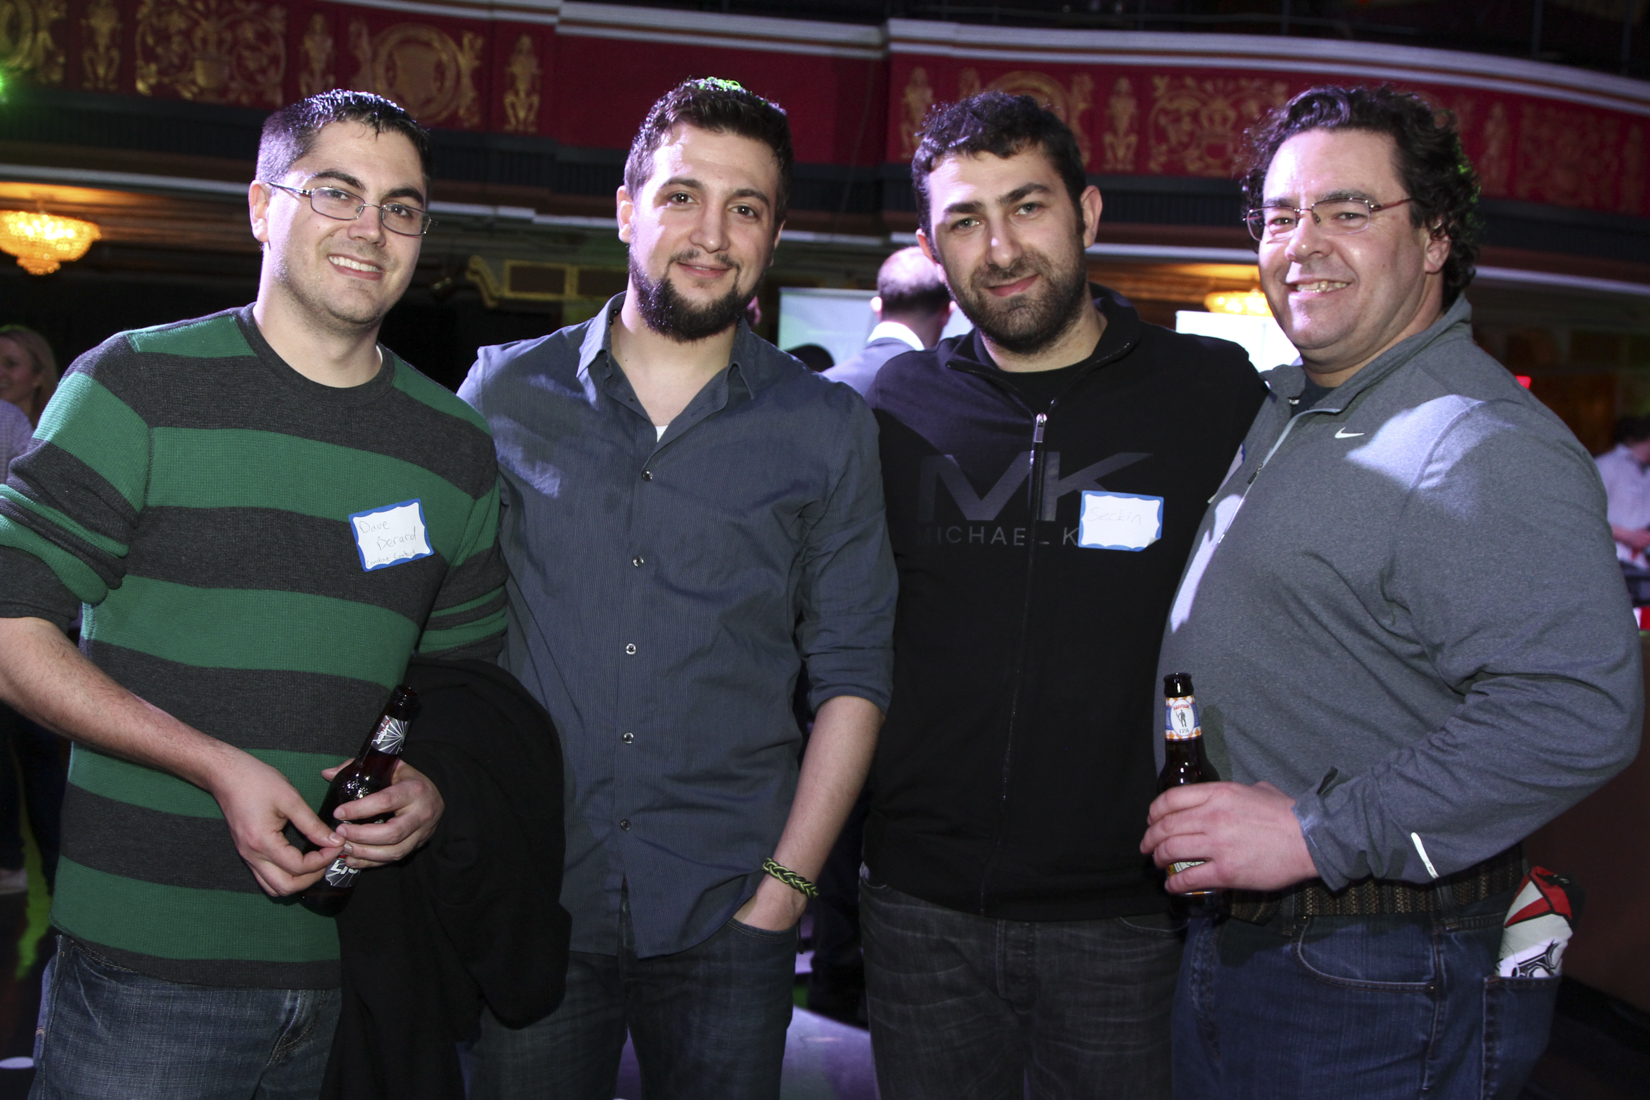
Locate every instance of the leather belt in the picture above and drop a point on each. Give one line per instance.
(1383, 896)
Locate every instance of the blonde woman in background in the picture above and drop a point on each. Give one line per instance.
(28, 370)
(28, 377)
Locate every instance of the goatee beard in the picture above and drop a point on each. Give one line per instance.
(1029, 326)
(668, 313)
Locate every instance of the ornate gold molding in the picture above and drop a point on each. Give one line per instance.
(1121, 140)
(521, 98)
(423, 69)
(27, 47)
(1196, 126)
(100, 60)
(318, 48)
(216, 51)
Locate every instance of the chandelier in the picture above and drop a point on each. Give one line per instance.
(44, 242)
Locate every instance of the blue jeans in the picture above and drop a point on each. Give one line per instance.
(1379, 1007)
(708, 1022)
(965, 1007)
(109, 1033)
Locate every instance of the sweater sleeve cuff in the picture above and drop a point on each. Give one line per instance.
(30, 590)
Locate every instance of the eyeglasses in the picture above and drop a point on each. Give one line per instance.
(1336, 216)
(331, 202)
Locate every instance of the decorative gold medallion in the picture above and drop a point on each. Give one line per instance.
(26, 44)
(1196, 126)
(423, 69)
(521, 98)
(215, 51)
(100, 60)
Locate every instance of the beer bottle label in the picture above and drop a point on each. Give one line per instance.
(391, 732)
(339, 873)
(1183, 724)
(1185, 865)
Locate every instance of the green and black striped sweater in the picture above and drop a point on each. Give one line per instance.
(258, 555)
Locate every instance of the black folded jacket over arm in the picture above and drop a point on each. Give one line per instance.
(474, 916)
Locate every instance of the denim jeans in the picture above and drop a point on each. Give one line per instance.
(109, 1033)
(708, 1022)
(973, 1008)
(1377, 1007)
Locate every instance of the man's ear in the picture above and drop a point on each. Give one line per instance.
(1089, 205)
(773, 253)
(624, 210)
(257, 209)
(1438, 249)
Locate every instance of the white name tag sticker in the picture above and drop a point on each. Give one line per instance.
(391, 535)
(1119, 521)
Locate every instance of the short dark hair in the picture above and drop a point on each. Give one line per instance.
(1000, 124)
(909, 283)
(1440, 179)
(289, 134)
(1633, 429)
(722, 107)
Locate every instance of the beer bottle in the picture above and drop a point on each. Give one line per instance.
(1184, 759)
(368, 773)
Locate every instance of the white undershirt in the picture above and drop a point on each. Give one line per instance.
(661, 429)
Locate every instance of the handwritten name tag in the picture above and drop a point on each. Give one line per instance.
(1119, 521)
(391, 535)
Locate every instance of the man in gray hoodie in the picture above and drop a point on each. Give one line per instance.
(1410, 643)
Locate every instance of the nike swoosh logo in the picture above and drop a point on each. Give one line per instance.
(1344, 434)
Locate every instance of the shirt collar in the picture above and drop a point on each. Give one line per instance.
(893, 330)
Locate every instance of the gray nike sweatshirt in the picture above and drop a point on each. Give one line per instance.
(1403, 608)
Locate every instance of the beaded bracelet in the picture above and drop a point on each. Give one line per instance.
(790, 878)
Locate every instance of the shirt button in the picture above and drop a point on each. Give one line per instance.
(637, 561)
(631, 649)
(627, 737)
(647, 475)
(625, 824)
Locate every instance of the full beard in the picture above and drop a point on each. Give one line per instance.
(1034, 321)
(669, 314)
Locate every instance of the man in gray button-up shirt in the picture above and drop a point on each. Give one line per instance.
(689, 516)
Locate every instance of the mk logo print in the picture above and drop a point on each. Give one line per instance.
(937, 470)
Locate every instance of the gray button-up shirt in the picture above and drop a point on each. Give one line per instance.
(16, 434)
(664, 595)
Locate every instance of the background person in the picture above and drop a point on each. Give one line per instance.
(28, 753)
(911, 306)
(28, 370)
(1409, 639)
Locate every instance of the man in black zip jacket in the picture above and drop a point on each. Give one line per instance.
(1044, 478)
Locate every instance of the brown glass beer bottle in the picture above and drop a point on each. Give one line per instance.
(368, 773)
(1184, 760)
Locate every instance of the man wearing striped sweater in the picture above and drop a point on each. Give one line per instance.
(263, 513)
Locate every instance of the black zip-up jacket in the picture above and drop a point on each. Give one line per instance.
(1015, 768)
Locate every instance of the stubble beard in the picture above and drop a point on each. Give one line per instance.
(670, 315)
(332, 313)
(1035, 321)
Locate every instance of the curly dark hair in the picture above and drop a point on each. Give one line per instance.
(1000, 124)
(722, 107)
(1440, 179)
(289, 134)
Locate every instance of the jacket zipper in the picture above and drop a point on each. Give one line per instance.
(1039, 427)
